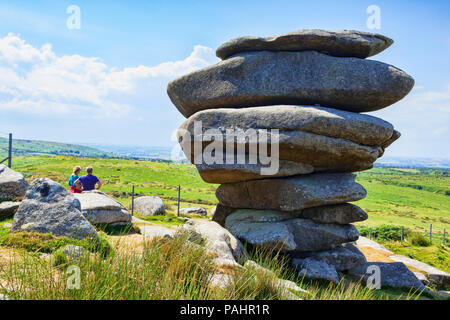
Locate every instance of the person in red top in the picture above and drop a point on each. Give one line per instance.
(74, 177)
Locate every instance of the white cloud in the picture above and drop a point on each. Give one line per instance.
(36, 80)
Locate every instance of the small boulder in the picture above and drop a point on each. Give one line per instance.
(149, 206)
(12, 184)
(8, 209)
(150, 231)
(341, 257)
(315, 269)
(99, 208)
(394, 274)
(49, 207)
(194, 210)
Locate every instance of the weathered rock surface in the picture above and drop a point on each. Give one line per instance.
(12, 184)
(150, 231)
(194, 210)
(100, 208)
(149, 206)
(293, 193)
(267, 78)
(316, 269)
(310, 139)
(8, 209)
(220, 213)
(342, 43)
(217, 240)
(435, 275)
(338, 213)
(48, 207)
(341, 258)
(394, 274)
(282, 231)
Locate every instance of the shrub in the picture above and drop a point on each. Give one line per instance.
(418, 239)
(383, 232)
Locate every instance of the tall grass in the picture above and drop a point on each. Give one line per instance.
(163, 269)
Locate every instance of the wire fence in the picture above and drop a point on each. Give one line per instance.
(404, 235)
(6, 152)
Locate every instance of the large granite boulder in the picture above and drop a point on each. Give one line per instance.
(49, 207)
(293, 193)
(8, 209)
(310, 139)
(217, 240)
(12, 184)
(342, 43)
(266, 78)
(149, 206)
(394, 274)
(338, 213)
(283, 231)
(99, 208)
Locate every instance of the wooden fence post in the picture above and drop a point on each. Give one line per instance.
(443, 240)
(401, 237)
(10, 151)
(431, 228)
(178, 209)
(132, 201)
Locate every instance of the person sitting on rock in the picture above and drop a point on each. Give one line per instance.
(89, 181)
(74, 177)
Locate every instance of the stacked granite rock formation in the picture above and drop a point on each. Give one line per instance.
(311, 86)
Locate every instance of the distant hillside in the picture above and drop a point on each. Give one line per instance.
(42, 148)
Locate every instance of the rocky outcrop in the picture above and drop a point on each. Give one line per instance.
(149, 205)
(99, 208)
(12, 184)
(277, 125)
(48, 207)
(344, 43)
(268, 78)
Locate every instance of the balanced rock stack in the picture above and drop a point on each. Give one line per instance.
(310, 87)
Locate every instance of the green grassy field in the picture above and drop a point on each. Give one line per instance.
(413, 198)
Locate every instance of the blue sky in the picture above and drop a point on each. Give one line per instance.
(105, 83)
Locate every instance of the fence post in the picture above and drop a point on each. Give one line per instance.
(370, 234)
(132, 201)
(401, 237)
(431, 228)
(443, 240)
(178, 209)
(10, 150)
